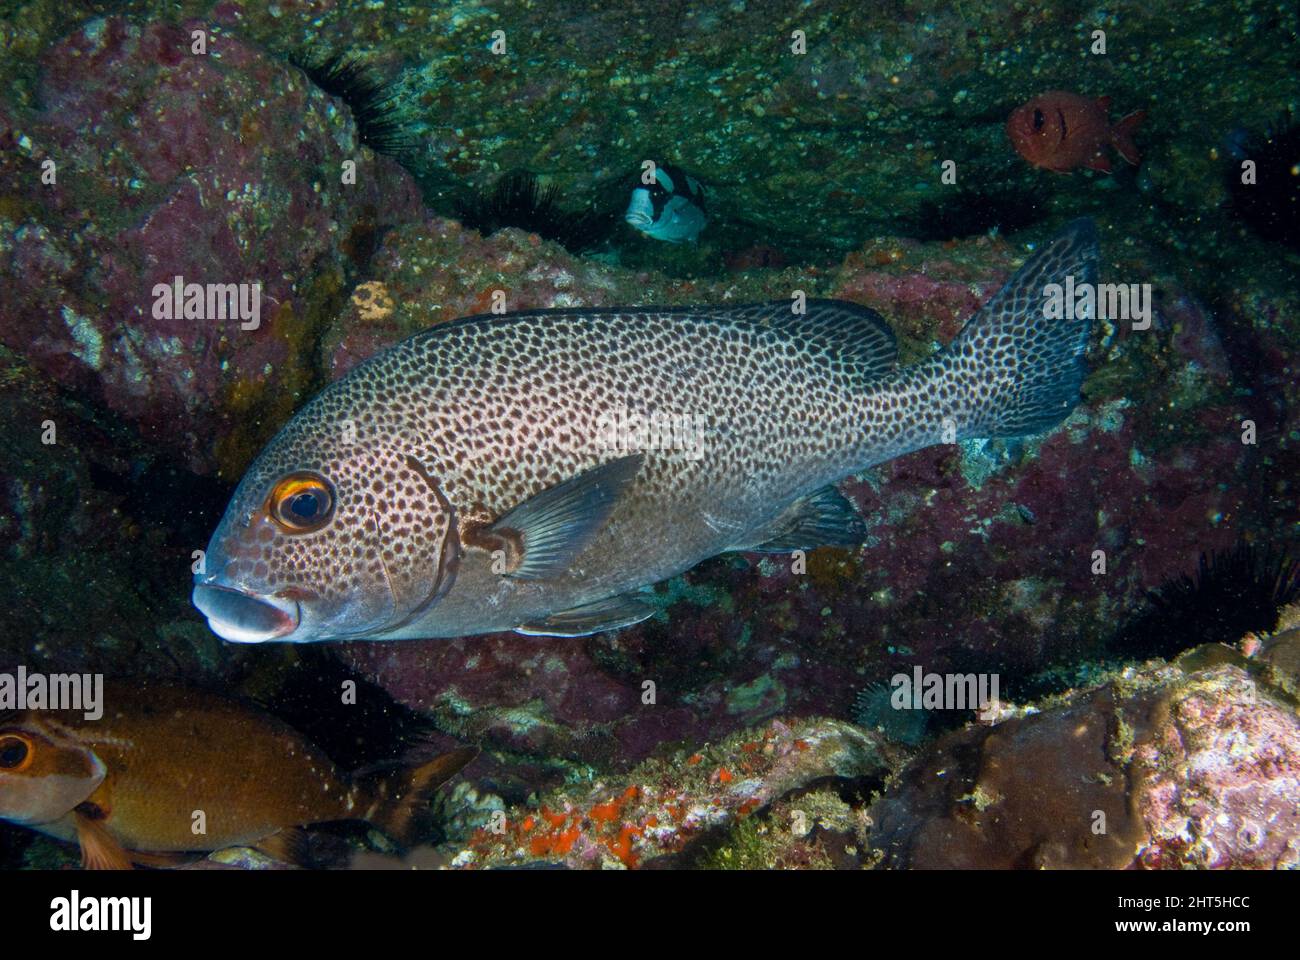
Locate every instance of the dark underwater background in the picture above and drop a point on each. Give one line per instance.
(1163, 690)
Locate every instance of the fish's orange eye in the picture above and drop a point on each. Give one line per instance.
(301, 502)
(15, 752)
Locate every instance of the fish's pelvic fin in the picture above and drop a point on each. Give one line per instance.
(99, 851)
(1121, 135)
(609, 614)
(1012, 371)
(399, 797)
(556, 524)
(825, 518)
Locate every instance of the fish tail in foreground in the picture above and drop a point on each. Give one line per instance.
(397, 797)
(1011, 372)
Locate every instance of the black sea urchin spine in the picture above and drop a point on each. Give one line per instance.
(518, 200)
(375, 102)
(1232, 594)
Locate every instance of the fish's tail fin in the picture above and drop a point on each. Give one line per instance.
(1121, 135)
(1014, 371)
(398, 797)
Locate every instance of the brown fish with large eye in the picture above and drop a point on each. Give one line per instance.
(133, 785)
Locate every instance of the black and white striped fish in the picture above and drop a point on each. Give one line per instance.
(669, 208)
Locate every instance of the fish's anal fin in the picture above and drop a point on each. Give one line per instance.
(825, 518)
(99, 851)
(611, 613)
(1099, 162)
(288, 845)
(553, 526)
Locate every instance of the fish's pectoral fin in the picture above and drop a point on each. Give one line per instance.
(99, 851)
(611, 613)
(825, 518)
(553, 526)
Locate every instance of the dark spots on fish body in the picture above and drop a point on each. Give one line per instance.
(591, 364)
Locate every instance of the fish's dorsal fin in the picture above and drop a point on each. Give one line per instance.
(854, 334)
(608, 614)
(554, 525)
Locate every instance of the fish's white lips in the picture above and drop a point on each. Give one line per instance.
(232, 634)
(207, 598)
(640, 210)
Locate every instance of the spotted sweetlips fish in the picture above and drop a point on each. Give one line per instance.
(497, 473)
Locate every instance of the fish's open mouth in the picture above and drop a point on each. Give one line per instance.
(243, 618)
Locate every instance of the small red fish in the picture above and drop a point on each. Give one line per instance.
(1060, 131)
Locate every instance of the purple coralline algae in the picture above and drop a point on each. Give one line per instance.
(226, 168)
